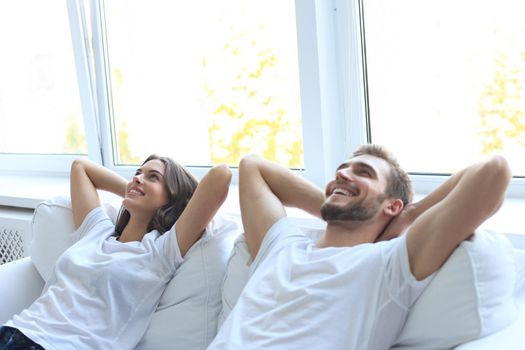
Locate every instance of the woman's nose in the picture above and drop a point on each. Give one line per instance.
(138, 178)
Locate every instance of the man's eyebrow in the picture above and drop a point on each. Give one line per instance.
(359, 164)
(368, 168)
(343, 165)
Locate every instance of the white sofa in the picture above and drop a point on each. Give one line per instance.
(189, 307)
(476, 301)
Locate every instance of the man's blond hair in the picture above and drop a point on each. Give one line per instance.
(398, 183)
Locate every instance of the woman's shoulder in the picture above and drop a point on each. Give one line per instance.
(96, 220)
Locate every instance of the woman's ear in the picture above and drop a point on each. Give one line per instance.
(394, 207)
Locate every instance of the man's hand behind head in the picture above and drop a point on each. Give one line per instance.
(399, 224)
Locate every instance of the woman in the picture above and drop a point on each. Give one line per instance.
(105, 288)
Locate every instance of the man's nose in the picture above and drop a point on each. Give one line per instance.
(345, 174)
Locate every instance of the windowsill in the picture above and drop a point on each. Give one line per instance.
(27, 191)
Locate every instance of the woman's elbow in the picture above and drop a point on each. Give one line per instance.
(500, 169)
(221, 175)
(497, 178)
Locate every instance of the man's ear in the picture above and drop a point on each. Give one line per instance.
(394, 207)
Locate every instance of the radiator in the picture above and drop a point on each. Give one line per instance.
(15, 233)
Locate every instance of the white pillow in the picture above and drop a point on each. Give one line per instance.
(186, 317)
(53, 231)
(519, 256)
(471, 296)
(235, 278)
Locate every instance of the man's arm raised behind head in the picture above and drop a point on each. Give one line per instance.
(264, 189)
(451, 213)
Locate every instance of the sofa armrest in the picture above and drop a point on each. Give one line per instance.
(20, 285)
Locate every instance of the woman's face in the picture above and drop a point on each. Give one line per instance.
(146, 192)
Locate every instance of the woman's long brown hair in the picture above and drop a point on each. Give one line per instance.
(180, 185)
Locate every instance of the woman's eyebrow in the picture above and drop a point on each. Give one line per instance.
(148, 170)
(154, 171)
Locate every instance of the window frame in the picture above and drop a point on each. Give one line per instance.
(332, 87)
(354, 93)
(319, 89)
(59, 164)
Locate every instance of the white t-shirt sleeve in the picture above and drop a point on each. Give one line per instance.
(400, 291)
(95, 221)
(403, 287)
(279, 235)
(170, 247)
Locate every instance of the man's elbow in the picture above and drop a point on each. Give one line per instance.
(249, 164)
(249, 160)
(498, 174)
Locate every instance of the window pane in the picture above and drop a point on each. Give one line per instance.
(446, 81)
(204, 81)
(39, 102)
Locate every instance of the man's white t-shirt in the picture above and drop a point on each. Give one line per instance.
(303, 297)
(102, 292)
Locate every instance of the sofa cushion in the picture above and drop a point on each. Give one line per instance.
(235, 278)
(187, 313)
(53, 231)
(471, 296)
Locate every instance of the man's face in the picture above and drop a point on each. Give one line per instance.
(357, 192)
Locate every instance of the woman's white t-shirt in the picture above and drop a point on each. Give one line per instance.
(102, 292)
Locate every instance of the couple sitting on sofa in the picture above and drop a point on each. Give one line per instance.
(337, 292)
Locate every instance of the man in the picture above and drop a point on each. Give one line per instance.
(345, 291)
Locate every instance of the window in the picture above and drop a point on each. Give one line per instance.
(40, 109)
(203, 81)
(207, 81)
(446, 81)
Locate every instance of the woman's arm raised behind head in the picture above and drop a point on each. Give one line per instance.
(86, 177)
(202, 207)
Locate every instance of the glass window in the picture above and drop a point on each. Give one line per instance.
(39, 101)
(446, 81)
(204, 81)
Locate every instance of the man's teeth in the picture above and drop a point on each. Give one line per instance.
(342, 191)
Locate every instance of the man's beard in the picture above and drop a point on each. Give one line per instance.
(350, 212)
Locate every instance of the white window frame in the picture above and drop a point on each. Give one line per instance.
(332, 85)
(349, 42)
(59, 164)
(319, 84)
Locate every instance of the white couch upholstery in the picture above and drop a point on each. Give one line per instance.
(189, 310)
